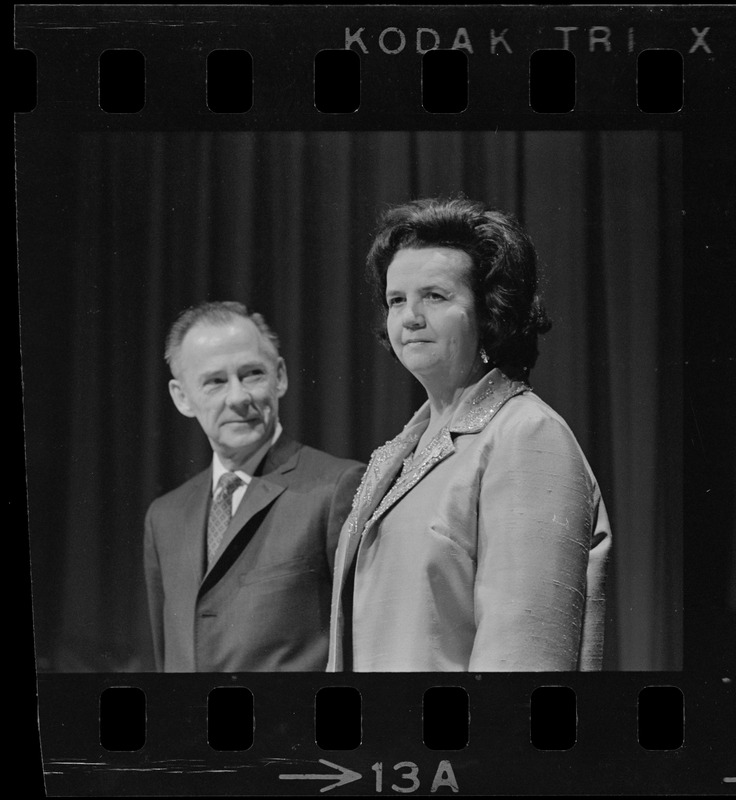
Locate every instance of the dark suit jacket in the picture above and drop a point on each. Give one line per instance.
(265, 603)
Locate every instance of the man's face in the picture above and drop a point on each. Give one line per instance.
(229, 376)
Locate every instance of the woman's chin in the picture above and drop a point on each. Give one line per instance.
(428, 372)
(419, 362)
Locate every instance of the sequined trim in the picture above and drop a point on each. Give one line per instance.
(374, 472)
(437, 449)
(477, 418)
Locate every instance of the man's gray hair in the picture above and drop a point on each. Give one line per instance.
(218, 312)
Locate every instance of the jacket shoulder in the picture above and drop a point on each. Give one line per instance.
(176, 497)
(529, 409)
(527, 418)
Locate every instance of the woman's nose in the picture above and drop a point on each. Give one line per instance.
(413, 316)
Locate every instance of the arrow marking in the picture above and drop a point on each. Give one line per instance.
(345, 776)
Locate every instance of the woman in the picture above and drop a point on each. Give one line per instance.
(478, 537)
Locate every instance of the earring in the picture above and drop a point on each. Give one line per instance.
(483, 355)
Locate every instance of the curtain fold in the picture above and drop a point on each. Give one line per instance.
(150, 223)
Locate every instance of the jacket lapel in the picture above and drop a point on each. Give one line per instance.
(263, 490)
(489, 396)
(259, 494)
(385, 462)
(437, 450)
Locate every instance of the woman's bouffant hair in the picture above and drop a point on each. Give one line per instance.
(503, 276)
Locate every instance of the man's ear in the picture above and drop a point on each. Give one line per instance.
(179, 396)
(282, 379)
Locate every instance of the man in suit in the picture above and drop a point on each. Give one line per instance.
(239, 559)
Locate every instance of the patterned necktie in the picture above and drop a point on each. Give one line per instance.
(220, 513)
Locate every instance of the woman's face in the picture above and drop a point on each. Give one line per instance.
(431, 315)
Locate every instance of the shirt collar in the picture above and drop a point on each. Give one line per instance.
(250, 466)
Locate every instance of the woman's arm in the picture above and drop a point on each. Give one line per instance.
(537, 512)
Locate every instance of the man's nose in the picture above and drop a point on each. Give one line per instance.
(237, 394)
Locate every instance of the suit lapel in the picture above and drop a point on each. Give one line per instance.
(262, 491)
(259, 494)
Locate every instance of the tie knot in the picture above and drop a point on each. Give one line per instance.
(227, 484)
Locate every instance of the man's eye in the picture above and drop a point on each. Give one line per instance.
(435, 296)
(392, 301)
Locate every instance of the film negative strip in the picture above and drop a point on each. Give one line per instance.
(168, 156)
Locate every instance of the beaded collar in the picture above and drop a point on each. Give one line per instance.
(474, 413)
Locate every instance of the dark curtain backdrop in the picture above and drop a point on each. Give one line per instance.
(120, 231)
